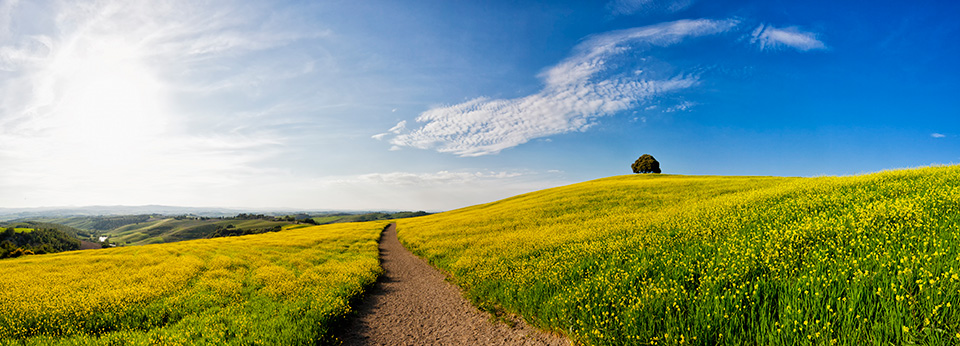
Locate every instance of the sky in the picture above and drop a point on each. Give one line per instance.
(436, 105)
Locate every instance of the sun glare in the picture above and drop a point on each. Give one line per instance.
(107, 101)
(97, 121)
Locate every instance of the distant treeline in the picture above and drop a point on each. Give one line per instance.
(73, 232)
(38, 241)
(333, 217)
(288, 218)
(337, 218)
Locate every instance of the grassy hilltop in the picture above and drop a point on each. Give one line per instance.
(659, 259)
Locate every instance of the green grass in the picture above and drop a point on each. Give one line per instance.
(864, 260)
(328, 219)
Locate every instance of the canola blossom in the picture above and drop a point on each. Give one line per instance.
(277, 288)
(666, 260)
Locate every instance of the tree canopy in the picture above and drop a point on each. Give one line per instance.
(38, 241)
(646, 164)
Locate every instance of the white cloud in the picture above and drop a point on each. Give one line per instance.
(579, 89)
(937, 135)
(768, 37)
(682, 106)
(400, 127)
(395, 130)
(627, 7)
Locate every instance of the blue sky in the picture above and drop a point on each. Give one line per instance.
(442, 104)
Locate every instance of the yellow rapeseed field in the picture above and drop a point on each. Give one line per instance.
(665, 260)
(266, 289)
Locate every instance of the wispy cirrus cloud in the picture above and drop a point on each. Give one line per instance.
(396, 130)
(682, 106)
(593, 82)
(768, 38)
(937, 135)
(627, 7)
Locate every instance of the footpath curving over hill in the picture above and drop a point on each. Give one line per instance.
(872, 259)
(413, 305)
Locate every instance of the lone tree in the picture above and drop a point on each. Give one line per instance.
(646, 164)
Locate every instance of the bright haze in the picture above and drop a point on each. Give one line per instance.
(436, 105)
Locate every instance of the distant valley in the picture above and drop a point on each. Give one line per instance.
(110, 228)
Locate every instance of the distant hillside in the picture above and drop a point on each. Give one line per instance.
(63, 212)
(343, 217)
(67, 212)
(100, 223)
(158, 228)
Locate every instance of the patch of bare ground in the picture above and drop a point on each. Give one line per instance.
(89, 245)
(412, 304)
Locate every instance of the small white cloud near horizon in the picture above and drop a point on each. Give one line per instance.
(937, 135)
(577, 90)
(768, 37)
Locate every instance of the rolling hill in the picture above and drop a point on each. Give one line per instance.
(161, 229)
(660, 259)
(143, 229)
(154, 228)
(641, 259)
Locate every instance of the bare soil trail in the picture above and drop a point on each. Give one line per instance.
(412, 304)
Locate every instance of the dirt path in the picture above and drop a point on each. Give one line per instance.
(412, 304)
